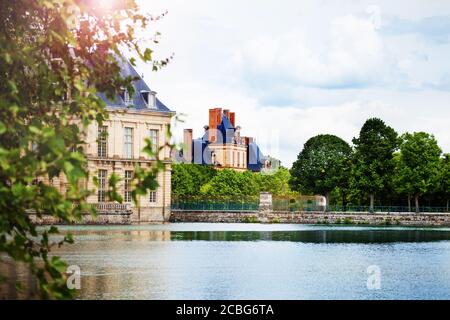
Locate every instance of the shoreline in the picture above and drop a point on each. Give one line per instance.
(268, 217)
(316, 218)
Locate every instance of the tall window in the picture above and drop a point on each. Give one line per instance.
(128, 143)
(154, 135)
(102, 142)
(152, 198)
(102, 176)
(128, 178)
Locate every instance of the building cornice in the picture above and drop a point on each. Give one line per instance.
(118, 110)
(136, 160)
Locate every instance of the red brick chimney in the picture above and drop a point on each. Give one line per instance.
(232, 119)
(215, 117)
(248, 140)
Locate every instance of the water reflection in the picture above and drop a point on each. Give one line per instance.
(319, 236)
(195, 261)
(15, 273)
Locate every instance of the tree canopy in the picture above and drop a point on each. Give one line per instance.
(187, 179)
(321, 166)
(277, 183)
(419, 164)
(228, 182)
(373, 158)
(197, 180)
(445, 178)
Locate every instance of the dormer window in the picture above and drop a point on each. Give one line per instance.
(124, 94)
(149, 98)
(145, 95)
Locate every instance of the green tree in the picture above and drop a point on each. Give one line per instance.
(321, 166)
(401, 183)
(445, 179)
(228, 182)
(55, 55)
(419, 164)
(373, 158)
(188, 178)
(276, 184)
(182, 182)
(200, 175)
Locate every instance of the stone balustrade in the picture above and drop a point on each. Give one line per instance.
(107, 207)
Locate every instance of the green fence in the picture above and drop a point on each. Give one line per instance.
(295, 206)
(387, 209)
(307, 204)
(217, 204)
(282, 204)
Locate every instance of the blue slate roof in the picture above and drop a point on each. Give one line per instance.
(227, 130)
(127, 70)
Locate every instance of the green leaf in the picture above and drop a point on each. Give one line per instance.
(2, 128)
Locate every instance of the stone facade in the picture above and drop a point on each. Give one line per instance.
(117, 147)
(155, 208)
(229, 156)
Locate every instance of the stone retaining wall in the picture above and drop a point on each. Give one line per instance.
(110, 218)
(359, 218)
(214, 216)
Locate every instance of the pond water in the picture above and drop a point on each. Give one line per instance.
(258, 261)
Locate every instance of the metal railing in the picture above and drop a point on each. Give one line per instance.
(284, 204)
(215, 204)
(280, 205)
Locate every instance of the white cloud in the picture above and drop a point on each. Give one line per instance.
(329, 65)
(353, 56)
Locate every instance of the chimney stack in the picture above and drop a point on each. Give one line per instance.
(232, 119)
(187, 148)
(249, 140)
(215, 117)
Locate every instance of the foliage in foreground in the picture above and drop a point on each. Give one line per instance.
(54, 56)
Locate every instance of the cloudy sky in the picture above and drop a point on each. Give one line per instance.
(292, 69)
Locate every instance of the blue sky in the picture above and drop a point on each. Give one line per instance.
(294, 69)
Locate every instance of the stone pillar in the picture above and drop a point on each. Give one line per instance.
(265, 206)
(265, 201)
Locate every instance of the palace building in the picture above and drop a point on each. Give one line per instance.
(222, 145)
(116, 147)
